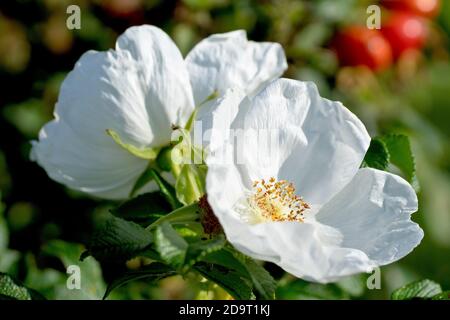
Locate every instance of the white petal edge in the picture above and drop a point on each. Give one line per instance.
(229, 60)
(315, 250)
(342, 241)
(104, 172)
(138, 90)
(373, 213)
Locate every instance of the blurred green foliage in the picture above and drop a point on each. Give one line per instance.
(42, 223)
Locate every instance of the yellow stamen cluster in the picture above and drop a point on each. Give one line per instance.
(276, 201)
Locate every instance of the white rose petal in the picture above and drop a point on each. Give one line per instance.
(229, 60)
(374, 213)
(357, 218)
(138, 90)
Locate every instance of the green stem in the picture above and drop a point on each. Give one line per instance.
(184, 214)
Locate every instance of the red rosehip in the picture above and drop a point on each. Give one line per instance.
(357, 45)
(122, 8)
(404, 31)
(425, 8)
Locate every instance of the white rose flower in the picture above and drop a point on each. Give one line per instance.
(136, 93)
(229, 60)
(302, 201)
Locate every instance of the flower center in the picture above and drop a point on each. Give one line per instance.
(273, 201)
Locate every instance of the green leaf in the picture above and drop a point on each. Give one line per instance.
(150, 273)
(11, 289)
(167, 190)
(231, 281)
(402, 157)
(442, 296)
(143, 153)
(184, 215)
(170, 245)
(190, 185)
(377, 156)
(302, 290)
(144, 209)
(394, 149)
(180, 253)
(256, 276)
(422, 289)
(227, 260)
(263, 282)
(119, 239)
(201, 248)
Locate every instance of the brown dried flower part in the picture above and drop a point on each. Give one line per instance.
(208, 219)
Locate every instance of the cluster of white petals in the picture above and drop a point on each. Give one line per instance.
(355, 218)
(141, 90)
(303, 202)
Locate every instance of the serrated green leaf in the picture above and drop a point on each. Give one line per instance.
(377, 156)
(227, 260)
(170, 245)
(442, 296)
(422, 289)
(394, 149)
(150, 273)
(14, 290)
(402, 157)
(119, 239)
(231, 281)
(258, 278)
(201, 248)
(264, 284)
(182, 254)
(143, 153)
(144, 209)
